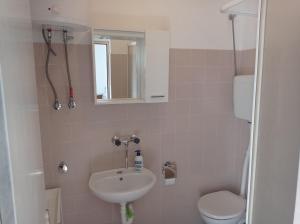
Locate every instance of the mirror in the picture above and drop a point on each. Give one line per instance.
(118, 65)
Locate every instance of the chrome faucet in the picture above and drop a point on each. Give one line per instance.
(118, 141)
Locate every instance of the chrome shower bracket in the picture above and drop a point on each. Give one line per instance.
(62, 167)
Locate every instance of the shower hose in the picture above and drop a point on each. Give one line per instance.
(72, 103)
(56, 105)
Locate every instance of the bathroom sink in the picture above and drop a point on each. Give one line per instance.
(121, 185)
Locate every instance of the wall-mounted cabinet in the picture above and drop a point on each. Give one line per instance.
(157, 66)
(130, 67)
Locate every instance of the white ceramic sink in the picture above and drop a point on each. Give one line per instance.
(121, 185)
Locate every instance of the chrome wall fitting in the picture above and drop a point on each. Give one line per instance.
(57, 105)
(72, 103)
(169, 173)
(63, 167)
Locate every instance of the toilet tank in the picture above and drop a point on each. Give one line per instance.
(243, 87)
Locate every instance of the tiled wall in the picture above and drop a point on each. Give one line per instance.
(197, 129)
(246, 62)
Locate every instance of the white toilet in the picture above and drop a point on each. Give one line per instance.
(224, 207)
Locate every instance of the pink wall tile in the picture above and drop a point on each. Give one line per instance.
(197, 129)
(246, 62)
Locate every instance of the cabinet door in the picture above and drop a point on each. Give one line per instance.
(157, 46)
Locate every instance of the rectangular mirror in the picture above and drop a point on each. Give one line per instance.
(118, 58)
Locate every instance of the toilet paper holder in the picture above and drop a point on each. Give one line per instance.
(169, 170)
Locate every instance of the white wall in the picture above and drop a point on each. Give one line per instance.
(196, 24)
(74, 11)
(246, 32)
(193, 23)
(279, 122)
(17, 66)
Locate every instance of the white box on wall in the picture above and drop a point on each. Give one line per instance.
(157, 45)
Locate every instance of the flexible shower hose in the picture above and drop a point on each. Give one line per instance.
(49, 52)
(67, 61)
(72, 103)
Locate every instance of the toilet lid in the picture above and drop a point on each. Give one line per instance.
(222, 205)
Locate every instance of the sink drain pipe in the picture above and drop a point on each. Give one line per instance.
(127, 213)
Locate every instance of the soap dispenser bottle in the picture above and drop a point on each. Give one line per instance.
(138, 161)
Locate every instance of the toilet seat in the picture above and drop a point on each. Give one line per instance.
(222, 205)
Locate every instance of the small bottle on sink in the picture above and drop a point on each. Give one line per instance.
(138, 161)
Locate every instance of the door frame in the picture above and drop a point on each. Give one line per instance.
(262, 10)
(12, 195)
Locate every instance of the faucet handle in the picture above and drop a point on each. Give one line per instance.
(116, 141)
(135, 139)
